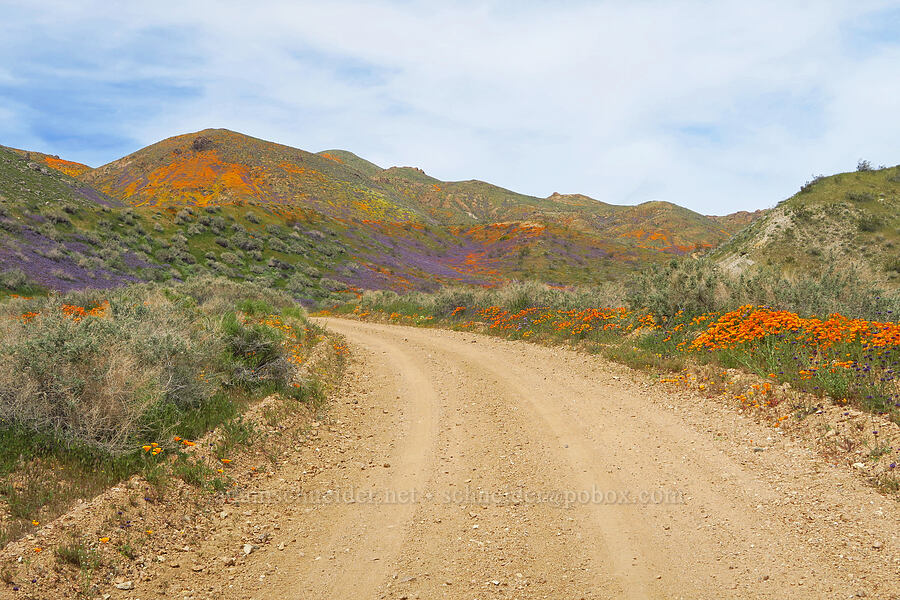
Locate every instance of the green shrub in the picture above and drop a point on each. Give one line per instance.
(140, 367)
(13, 279)
(869, 223)
(860, 196)
(690, 286)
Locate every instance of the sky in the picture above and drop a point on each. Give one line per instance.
(716, 106)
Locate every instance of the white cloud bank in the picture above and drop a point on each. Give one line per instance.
(715, 106)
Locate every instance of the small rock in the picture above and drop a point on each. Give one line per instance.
(174, 565)
(860, 466)
(228, 560)
(125, 585)
(248, 548)
(197, 568)
(281, 546)
(223, 514)
(878, 545)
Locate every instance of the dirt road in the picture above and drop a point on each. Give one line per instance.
(454, 465)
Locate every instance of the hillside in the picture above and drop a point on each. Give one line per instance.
(321, 223)
(224, 168)
(73, 169)
(60, 232)
(849, 221)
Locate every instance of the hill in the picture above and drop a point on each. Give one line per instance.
(318, 223)
(61, 233)
(849, 221)
(74, 169)
(222, 168)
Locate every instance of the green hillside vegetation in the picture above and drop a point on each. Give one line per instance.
(849, 221)
(58, 233)
(352, 161)
(89, 380)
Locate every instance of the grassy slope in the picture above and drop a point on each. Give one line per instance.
(61, 232)
(74, 169)
(352, 161)
(849, 220)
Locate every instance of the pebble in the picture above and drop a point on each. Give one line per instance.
(125, 585)
(248, 548)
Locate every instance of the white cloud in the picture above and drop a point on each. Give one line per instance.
(715, 106)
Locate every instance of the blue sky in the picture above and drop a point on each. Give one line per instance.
(715, 106)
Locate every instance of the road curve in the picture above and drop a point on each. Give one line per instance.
(456, 465)
(556, 474)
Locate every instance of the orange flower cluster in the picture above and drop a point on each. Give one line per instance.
(574, 322)
(153, 448)
(750, 323)
(76, 313)
(292, 338)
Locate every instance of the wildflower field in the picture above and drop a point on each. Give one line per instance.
(850, 360)
(99, 385)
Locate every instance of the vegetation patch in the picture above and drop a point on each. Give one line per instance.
(96, 386)
(689, 313)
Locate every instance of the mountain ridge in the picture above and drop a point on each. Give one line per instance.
(204, 197)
